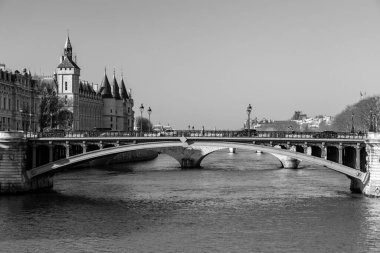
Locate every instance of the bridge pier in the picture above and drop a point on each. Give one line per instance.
(371, 187)
(14, 166)
(189, 156)
(286, 161)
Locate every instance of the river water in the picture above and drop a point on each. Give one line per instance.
(239, 202)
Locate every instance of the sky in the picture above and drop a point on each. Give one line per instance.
(201, 62)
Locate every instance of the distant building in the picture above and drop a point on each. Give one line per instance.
(90, 105)
(108, 107)
(298, 115)
(19, 100)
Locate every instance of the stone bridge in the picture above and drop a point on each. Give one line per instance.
(29, 163)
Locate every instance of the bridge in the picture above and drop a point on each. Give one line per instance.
(29, 161)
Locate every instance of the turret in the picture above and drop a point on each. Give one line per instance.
(115, 88)
(105, 88)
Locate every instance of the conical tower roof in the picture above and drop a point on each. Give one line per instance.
(115, 87)
(124, 93)
(105, 88)
(68, 43)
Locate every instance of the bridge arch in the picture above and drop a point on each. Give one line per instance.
(59, 152)
(349, 156)
(316, 151)
(92, 147)
(56, 166)
(41, 157)
(299, 148)
(76, 149)
(332, 153)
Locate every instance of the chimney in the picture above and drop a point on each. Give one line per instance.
(62, 58)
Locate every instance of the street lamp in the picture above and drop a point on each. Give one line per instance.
(51, 120)
(352, 123)
(30, 121)
(141, 111)
(249, 110)
(150, 125)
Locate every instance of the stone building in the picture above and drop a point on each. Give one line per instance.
(90, 107)
(18, 100)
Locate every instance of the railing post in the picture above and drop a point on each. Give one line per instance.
(357, 165)
(34, 155)
(305, 148)
(50, 151)
(323, 151)
(67, 146)
(84, 147)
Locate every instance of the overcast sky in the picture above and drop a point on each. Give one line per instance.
(201, 62)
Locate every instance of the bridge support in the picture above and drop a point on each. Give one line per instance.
(372, 185)
(14, 164)
(286, 161)
(190, 156)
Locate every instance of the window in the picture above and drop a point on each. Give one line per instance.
(65, 85)
(9, 103)
(111, 110)
(111, 119)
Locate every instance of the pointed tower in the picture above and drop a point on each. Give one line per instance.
(67, 75)
(123, 90)
(109, 105)
(105, 88)
(68, 50)
(128, 112)
(115, 88)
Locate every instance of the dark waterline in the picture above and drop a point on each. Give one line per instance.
(236, 203)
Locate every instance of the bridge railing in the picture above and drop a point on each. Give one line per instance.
(199, 133)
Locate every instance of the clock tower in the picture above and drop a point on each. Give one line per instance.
(68, 74)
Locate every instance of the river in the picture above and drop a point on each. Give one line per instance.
(239, 202)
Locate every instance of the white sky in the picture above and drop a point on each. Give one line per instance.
(201, 62)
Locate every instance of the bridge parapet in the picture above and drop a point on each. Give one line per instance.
(200, 133)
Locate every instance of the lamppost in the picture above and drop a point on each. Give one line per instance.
(141, 111)
(249, 110)
(51, 120)
(150, 125)
(352, 123)
(30, 121)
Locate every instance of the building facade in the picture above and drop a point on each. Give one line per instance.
(19, 100)
(90, 107)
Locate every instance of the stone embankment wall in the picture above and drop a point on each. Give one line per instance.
(13, 166)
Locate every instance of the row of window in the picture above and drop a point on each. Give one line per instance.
(5, 123)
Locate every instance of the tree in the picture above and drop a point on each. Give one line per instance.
(65, 119)
(146, 124)
(361, 111)
(49, 108)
